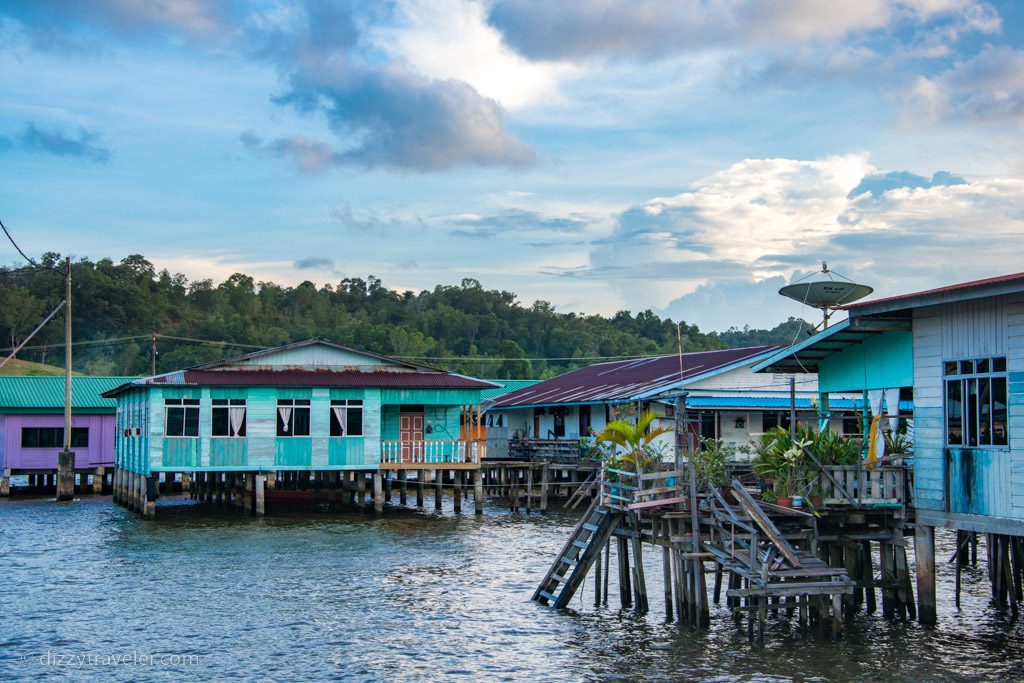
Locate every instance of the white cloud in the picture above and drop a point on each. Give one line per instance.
(451, 39)
(988, 86)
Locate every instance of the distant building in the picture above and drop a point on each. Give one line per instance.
(312, 406)
(725, 399)
(32, 426)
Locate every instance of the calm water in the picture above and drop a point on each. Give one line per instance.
(409, 597)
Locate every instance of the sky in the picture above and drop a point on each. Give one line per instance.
(688, 157)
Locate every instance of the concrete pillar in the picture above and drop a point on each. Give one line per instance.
(378, 493)
(218, 484)
(150, 491)
(387, 486)
(5, 484)
(249, 486)
(98, 475)
(209, 478)
(186, 482)
(478, 491)
(361, 488)
(924, 552)
(403, 486)
(168, 484)
(261, 499)
(420, 483)
(457, 486)
(66, 475)
(271, 480)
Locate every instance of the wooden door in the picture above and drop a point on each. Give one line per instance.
(410, 433)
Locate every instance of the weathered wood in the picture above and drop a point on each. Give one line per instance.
(378, 493)
(478, 492)
(924, 554)
(767, 526)
(261, 499)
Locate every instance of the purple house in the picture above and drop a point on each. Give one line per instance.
(32, 428)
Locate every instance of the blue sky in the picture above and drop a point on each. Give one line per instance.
(688, 157)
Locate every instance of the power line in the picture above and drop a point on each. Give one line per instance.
(23, 254)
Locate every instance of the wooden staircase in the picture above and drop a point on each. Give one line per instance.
(578, 555)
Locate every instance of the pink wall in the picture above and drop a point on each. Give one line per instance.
(99, 452)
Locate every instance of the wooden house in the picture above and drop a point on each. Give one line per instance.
(32, 428)
(313, 406)
(960, 349)
(725, 400)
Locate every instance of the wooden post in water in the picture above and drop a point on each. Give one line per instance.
(150, 491)
(66, 458)
(478, 491)
(544, 488)
(420, 484)
(403, 487)
(625, 591)
(361, 488)
(438, 489)
(924, 553)
(387, 486)
(250, 486)
(457, 485)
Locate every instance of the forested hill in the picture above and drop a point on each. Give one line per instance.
(455, 327)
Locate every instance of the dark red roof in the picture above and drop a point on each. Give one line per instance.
(626, 380)
(328, 378)
(938, 290)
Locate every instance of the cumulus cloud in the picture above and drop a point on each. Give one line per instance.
(513, 222)
(648, 29)
(726, 243)
(986, 87)
(83, 145)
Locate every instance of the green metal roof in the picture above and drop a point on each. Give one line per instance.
(509, 385)
(44, 394)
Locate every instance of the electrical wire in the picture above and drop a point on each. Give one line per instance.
(23, 254)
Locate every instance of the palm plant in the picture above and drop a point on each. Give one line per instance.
(636, 439)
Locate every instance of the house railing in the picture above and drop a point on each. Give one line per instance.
(396, 452)
(881, 485)
(552, 450)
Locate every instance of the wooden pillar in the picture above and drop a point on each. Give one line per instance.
(403, 487)
(5, 484)
(457, 485)
(218, 482)
(924, 553)
(378, 493)
(625, 597)
(209, 479)
(168, 483)
(438, 483)
(261, 498)
(544, 474)
(868, 574)
(420, 484)
(478, 491)
(361, 488)
(529, 489)
(186, 482)
(387, 486)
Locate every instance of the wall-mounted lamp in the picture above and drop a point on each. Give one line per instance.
(429, 429)
(741, 422)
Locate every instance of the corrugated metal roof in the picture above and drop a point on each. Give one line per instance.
(47, 393)
(915, 298)
(318, 378)
(778, 403)
(626, 380)
(507, 387)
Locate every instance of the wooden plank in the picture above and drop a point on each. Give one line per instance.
(662, 475)
(658, 490)
(766, 525)
(656, 503)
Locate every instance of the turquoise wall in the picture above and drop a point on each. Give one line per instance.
(261, 448)
(879, 362)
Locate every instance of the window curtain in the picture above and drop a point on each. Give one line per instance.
(892, 407)
(876, 439)
(341, 415)
(236, 415)
(286, 415)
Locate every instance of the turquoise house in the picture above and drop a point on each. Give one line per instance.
(313, 406)
(961, 350)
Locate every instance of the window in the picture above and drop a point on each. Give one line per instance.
(228, 417)
(976, 413)
(346, 417)
(53, 437)
(559, 415)
(292, 417)
(181, 417)
(772, 419)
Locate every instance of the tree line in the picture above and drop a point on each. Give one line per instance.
(464, 328)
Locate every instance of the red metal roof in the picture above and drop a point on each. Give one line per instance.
(325, 378)
(626, 380)
(938, 290)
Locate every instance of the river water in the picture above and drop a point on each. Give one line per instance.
(207, 594)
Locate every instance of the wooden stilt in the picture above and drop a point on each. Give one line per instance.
(544, 488)
(438, 489)
(478, 492)
(868, 573)
(457, 486)
(403, 487)
(597, 582)
(529, 489)
(625, 597)
(361, 489)
(260, 483)
(186, 482)
(150, 487)
(420, 485)
(924, 554)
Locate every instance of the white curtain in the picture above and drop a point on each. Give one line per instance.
(892, 407)
(237, 417)
(286, 415)
(340, 414)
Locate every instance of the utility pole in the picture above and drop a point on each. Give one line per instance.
(153, 354)
(66, 458)
(792, 409)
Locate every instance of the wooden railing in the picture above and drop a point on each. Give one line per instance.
(544, 449)
(431, 452)
(881, 485)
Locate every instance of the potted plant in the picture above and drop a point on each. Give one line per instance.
(781, 461)
(710, 462)
(639, 453)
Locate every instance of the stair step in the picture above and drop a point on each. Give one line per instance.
(549, 596)
(559, 578)
(591, 527)
(581, 544)
(565, 559)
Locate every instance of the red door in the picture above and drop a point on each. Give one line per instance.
(410, 433)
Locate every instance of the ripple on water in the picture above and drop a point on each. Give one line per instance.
(407, 597)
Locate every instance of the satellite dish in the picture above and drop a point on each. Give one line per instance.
(826, 294)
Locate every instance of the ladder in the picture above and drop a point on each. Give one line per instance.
(581, 492)
(579, 554)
